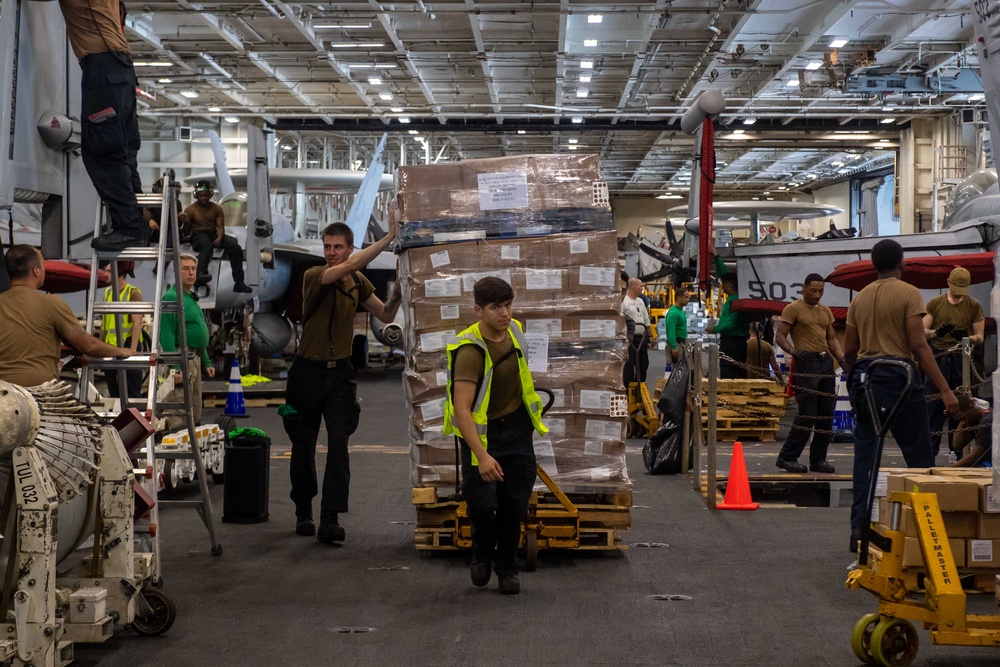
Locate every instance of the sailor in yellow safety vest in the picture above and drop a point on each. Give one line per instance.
(131, 330)
(492, 405)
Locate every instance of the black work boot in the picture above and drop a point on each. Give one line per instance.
(329, 529)
(480, 570)
(509, 584)
(304, 522)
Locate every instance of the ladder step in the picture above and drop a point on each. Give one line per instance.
(135, 361)
(129, 253)
(151, 199)
(133, 307)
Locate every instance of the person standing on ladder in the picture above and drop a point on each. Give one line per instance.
(196, 330)
(34, 324)
(110, 126)
(205, 222)
(950, 318)
(131, 328)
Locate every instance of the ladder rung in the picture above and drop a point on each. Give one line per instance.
(135, 361)
(130, 307)
(129, 253)
(152, 199)
(183, 503)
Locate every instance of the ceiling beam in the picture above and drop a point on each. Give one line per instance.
(483, 58)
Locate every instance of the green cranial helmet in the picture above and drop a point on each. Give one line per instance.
(203, 186)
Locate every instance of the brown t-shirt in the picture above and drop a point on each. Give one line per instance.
(93, 26)
(809, 325)
(31, 327)
(328, 314)
(879, 313)
(759, 353)
(505, 389)
(203, 218)
(961, 315)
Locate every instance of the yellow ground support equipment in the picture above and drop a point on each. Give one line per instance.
(643, 418)
(888, 637)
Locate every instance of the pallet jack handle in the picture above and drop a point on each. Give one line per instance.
(883, 429)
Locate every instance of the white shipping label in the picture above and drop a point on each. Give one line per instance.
(593, 447)
(578, 246)
(598, 328)
(469, 280)
(981, 551)
(880, 484)
(545, 456)
(510, 252)
(595, 399)
(550, 326)
(442, 287)
(439, 259)
(597, 276)
(875, 512)
(432, 409)
(441, 378)
(559, 398)
(435, 340)
(503, 190)
(546, 279)
(449, 312)
(993, 498)
(538, 352)
(601, 429)
(557, 427)
(600, 473)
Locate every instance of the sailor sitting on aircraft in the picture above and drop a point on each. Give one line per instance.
(205, 222)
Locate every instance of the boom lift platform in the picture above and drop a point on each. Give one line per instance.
(888, 637)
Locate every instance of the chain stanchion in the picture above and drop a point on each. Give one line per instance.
(966, 362)
(695, 399)
(713, 390)
(686, 424)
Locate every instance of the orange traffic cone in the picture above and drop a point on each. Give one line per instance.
(738, 487)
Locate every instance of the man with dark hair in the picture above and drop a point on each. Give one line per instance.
(974, 437)
(761, 357)
(321, 383)
(885, 320)
(676, 324)
(815, 346)
(488, 369)
(733, 330)
(205, 222)
(950, 318)
(110, 127)
(34, 324)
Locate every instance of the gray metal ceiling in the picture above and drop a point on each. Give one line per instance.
(469, 74)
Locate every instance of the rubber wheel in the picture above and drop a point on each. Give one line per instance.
(530, 550)
(170, 482)
(861, 638)
(154, 612)
(895, 642)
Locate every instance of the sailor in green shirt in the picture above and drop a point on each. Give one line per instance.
(196, 331)
(731, 327)
(676, 323)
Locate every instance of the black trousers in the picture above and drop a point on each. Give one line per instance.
(497, 509)
(203, 243)
(950, 366)
(815, 411)
(734, 347)
(316, 393)
(638, 360)
(110, 137)
(910, 429)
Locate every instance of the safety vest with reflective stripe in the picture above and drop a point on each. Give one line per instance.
(108, 320)
(480, 403)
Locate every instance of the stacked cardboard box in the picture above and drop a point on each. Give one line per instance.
(566, 295)
(971, 517)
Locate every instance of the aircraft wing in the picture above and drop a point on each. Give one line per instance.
(361, 208)
(313, 180)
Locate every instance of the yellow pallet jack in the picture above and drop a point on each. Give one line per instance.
(643, 418)
(888, 637)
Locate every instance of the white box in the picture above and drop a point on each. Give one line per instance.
(88, 605)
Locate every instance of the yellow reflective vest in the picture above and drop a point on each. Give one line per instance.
(108, 320)
(480, 403)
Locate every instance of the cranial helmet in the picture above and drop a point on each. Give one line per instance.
(203, 186)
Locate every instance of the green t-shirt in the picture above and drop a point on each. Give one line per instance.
(676, 326)
(194, 326)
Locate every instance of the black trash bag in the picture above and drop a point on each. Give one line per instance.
(662, 452)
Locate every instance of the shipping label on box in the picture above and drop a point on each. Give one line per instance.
(432, 410)
(537, 352)
(596, 399)
(442, 287)
(545, 456)
(603, 429)
(506, 190)
(552, 326)
(435, 340)
(545, 279)
(598, 328)
(469, 280)
(983, 553)
(556, 426)
(598, 276)
(882, 483)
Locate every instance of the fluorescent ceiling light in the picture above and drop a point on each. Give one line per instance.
(791, 83)
(590, 42)
(595, 18)
(574, 141)
(231, 119)
(345, 26)
(190, 94)
(888, 108)
(154, 63)
(404, 120)
(739, 131)
(838, 43)
(583, 92)
(522, 131)
(413, 132)
(782, 187)
(749, 121)
(884, 141)
(215, 109)
(814, 65)
(586, 64)
(886, 121)
(356, 45)
(371, 66)
(396, 109)
(386, 95)
(584, 78)
(375, 80)
(286, 147)
(572, 148)
(171, 81)
(577, 119)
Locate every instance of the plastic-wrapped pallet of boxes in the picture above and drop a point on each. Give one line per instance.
(566, 295)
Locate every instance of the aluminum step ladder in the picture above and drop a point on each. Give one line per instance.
(151, 361)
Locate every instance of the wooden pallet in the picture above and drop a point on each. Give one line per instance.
(745, 434)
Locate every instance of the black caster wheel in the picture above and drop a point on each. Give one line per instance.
(154, 612)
